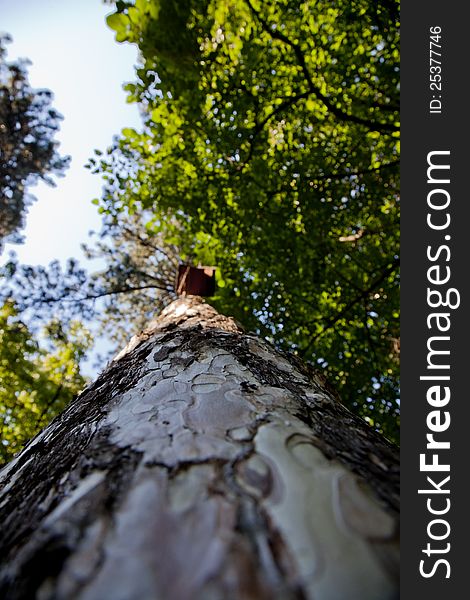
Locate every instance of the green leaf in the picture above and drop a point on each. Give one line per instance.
(117, 22)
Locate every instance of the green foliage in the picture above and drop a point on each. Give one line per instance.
(36, 382)
(28, 152)
(271, 131)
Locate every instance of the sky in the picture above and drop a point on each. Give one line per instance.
(73, 54)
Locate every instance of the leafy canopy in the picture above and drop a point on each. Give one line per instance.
(28, 151)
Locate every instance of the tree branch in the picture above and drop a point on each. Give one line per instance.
(312, 87)
(363, 295)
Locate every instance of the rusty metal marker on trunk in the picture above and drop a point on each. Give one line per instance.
(196, 281)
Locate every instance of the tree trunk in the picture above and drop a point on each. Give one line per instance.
(202, 464)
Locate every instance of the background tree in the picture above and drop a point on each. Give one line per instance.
(137, 277)
(39, 371)
(202, 464)
(37, 381)
(28, 151)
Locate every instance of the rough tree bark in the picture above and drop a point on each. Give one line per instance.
(201, 465)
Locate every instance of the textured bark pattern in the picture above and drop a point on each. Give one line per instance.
(203, 465)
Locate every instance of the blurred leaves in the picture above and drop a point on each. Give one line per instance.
(28, 151)
(37, 380)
